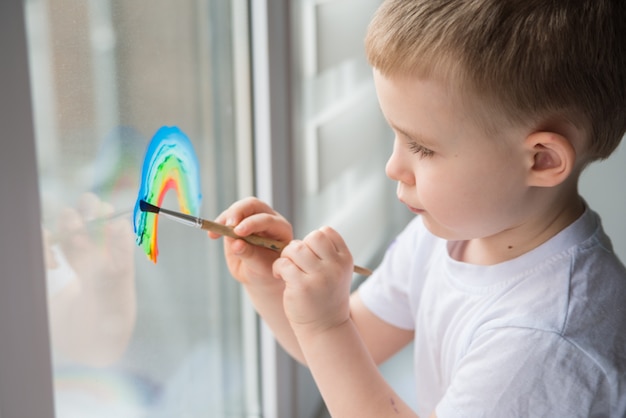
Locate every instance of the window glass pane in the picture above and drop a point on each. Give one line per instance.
(132, 338)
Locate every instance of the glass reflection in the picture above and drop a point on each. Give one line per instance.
(131, 338)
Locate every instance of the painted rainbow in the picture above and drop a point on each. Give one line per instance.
(170, 163)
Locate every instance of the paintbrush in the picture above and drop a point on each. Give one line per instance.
(224, 230)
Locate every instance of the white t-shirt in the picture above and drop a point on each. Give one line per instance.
(542, 335)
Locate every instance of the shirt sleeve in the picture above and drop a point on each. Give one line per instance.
(387, 293)
(524, 372)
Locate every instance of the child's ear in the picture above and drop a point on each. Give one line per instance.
(551, 158)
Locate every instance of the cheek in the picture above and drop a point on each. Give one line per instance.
(451, 202)
(448, 186)
(457, 197)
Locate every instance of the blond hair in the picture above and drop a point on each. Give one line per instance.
(533, 59)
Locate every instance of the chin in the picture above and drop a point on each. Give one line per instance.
(444, 232)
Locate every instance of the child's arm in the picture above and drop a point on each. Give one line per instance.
(317, 273)
(342, 340)
(382, 339)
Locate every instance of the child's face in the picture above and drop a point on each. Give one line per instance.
(464, 183)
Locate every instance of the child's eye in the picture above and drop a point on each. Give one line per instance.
(419, 149)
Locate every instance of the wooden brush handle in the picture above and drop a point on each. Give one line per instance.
(252, 239)
(260, 241)
(362, 270)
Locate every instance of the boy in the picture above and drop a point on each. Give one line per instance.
(505, 281)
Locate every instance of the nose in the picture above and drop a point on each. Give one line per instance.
(397, 167)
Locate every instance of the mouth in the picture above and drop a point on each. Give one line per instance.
(412, 209)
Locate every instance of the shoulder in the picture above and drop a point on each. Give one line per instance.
(596, 317)
(597, 290)
(580, 283)
(556, 377)
(565, 325)
(577, 295)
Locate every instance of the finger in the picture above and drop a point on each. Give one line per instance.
(243, 209)
(239, 211)
(270, 225)
(285, 269)
(326, 243)
(72, 233)
(264, 224)
(302, 255)
(246, 251)
(320, 244)
(105, 209)
(69, 221)
(336, 239)
(238, 247)
(252, 216)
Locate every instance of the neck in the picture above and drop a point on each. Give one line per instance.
(526, 236)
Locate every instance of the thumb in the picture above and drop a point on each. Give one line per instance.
(238, 246)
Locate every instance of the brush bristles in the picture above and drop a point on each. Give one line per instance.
(147, 207)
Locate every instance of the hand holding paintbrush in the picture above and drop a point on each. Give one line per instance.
(224, 230)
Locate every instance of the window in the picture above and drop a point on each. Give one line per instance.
(105, 76)
(130, 338)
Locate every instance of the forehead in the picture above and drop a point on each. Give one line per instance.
(408, 101)
(436, 103)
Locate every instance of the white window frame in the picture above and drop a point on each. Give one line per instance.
(287, 388)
